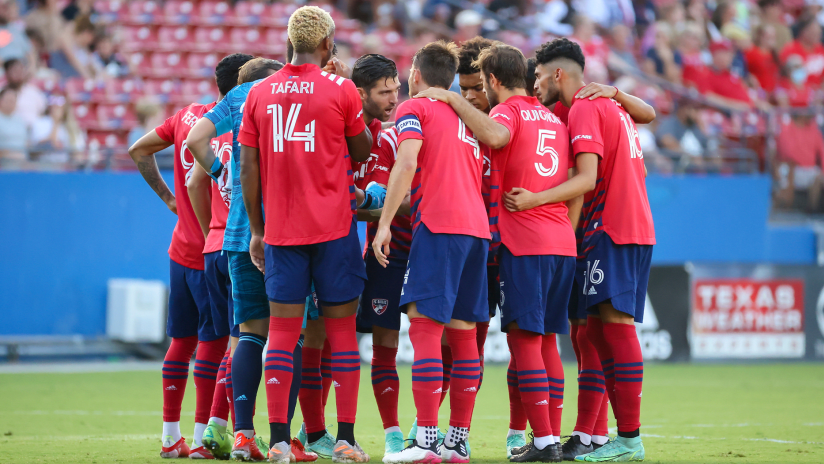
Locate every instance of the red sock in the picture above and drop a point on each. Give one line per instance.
(207, 363)
(595, 334)
(230, 396)
(482, 330)
(326, 371)
(602, 424)
(311, 391)
(345, 365)
(555, 375)
(385, 384)
(532, 379)
(591, 390)
(427, 369)
(220, 407)
(466, 373)
(175, 375)
(284, 333)
(517, 415)
(629, 374)
(446, 357)
(573, 337)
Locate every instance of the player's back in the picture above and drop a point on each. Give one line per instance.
(446, 190)
(618, 205)
(299, 119)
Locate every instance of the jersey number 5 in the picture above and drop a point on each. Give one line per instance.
(543, 137)
(287, 133)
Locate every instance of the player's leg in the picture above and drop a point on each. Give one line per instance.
(313, 432)
(516, 436)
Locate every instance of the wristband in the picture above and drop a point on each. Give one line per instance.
(616, 91)
(367, 201)
(378, 194)
(216, 169)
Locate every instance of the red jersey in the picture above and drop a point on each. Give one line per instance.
(536, 158)
(802, 145)
(187, 239)
(221, 194)
(446, 189)
(762, 65)
(562, 112)
(725, 84)
(813, 60)
(401, 226)
(797, 96)
(363, 170)
(298, 118)
(618, 205)
(492, 213)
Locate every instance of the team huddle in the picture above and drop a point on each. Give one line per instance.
(474, 202)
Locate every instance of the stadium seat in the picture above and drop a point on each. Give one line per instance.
(277, 14)
(245, 14)
(200, 65)
(210, 38)
(159, 88)
(118, 116)
(164, 64)
(246, 39)
(118, 91)
(178, 12)
(141, 12)
(212, 12)
(85, 115)
(196, 91)
(274, 41)
(109, 11)
(137, 38)
(79, 89)
(179, 38)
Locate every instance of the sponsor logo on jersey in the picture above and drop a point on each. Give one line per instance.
(581, 137)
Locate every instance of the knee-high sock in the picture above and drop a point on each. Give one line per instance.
(385, 384)
(284, 333)
(555, 375)
(629, 376)
(595, 334)
(345, 365)
(591, 385)
(220, 407)
(326, 371)
(532, 379)
(602, 424)
(427, 369)
(573, 337)
(466, 373)
(207, 363)
(175, 375)
(482, 329)
(446, 358)
(294, 390)
(230, 392)
(517, 415)
(311, 391)
(246, 372)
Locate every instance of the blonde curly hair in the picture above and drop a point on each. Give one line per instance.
(308, 26)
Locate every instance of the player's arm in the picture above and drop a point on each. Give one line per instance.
(360, 145)
(574, 205)
(250, 182)
(199, 143)
(485, 129)
(519, 199)
(143, 154)
(199, 186)
(400, 179)
(641, 112)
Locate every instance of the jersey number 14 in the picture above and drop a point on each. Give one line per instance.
(281, 133)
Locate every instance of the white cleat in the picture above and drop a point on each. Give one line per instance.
(415, 454)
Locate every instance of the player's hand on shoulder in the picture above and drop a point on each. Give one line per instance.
(256, 252)
(381, 244)
(435, 94)
(595, 90)
(519, 199)
(336, 66)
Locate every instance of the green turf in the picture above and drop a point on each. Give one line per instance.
(691, 413)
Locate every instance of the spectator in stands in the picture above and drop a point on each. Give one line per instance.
(77, 8)
(800, 150)
(724, 22)
(83, 63)
(55, 136)
(762, 58)
(795, 90)
(555, 17)
(606, 13)
(661, 60)
(690, 50)
(107, 59)
(594, 48)
(681, 137)
(12, 131)
(622, 44)
(13, 41)
(468, 23)
(149, 115)
(772, 13)
(720, 85)
(697, 13)
(807, 45)
(31, 101)
(46, 21)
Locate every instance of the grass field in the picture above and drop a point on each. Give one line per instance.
(691, 413)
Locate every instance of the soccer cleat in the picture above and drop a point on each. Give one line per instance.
(246, 449)
(525, 447)
(200, 453)
(415, 453)
(280, 452)
(514, 442)
(455, 454)
(344, 452)
(394, 443)
(302, 437)
(300, 454)
(177, 450)
(619, 449)
(323, 447)
(551, 453)
(217, 441)
(573, 447)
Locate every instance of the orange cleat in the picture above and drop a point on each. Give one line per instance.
(178, 450)
(200, 453)
(246, 449)
(300, 454)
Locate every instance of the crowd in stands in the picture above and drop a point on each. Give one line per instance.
(738, 84)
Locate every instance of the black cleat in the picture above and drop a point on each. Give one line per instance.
(573, 447)
(552, 453)
(525, 448)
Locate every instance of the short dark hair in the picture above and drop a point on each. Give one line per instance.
(469, 53)
(437, 62)
(257, 68)
(506, 62)
(371, 68)
(530, 75)
(227, 71)
(560, 48)
(802, 23)
(9, 63)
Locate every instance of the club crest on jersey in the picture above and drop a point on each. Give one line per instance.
(379, 305)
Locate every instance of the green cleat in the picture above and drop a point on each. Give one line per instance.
(218, 441)
(413, 431)
(324, 447)
(302, 434)
(262, 445)
(619, 449)
(514, 441)
(394, 443)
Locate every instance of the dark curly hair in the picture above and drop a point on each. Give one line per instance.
(469, 53)
(227, 71)
(530, 75)
(560, 48)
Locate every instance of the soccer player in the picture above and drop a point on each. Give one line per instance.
(190, 324)
(310, 234)
(445, 280)
(530, 147)
(615, 246)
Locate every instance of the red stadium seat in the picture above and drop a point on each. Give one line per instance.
(79, 89)
(196, 91)
(180, 38)
(141, 11)
(274, 41)
(118, 116)
(109, 11)
(277, 14)
(139, 61)
(138, 38)
(165, 64)
(85, 115)
(119, 91)
(246, 14)
(210, 38)
(246, 40)
(212, 12)
(160, 89)
(178, 11)
(201, 65)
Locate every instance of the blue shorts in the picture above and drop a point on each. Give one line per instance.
(446, 276)
(336, 268)
(220, 293)
(380, 302)
(615, 273)
(248, 289)
(189, 310)
(535, 291)
(576, 310)
(493, 289)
